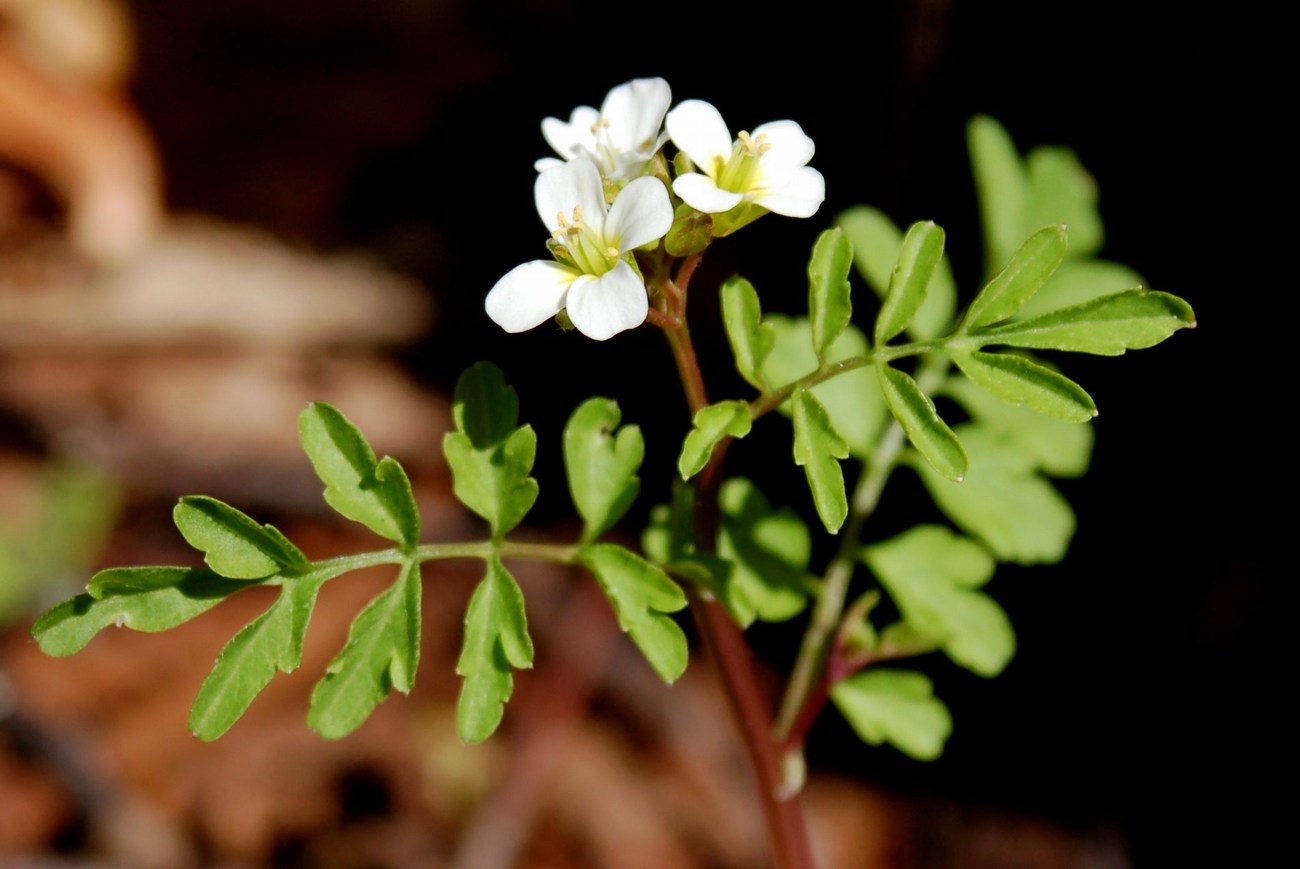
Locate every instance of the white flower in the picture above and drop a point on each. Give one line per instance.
(767, 168)
(621, 138)
(603, 294)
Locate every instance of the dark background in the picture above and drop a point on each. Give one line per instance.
(409, 128)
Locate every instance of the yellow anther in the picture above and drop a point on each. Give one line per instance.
(611, 252)
(755, 147)
(600, 123)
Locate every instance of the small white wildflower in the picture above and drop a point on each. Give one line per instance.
(767, 168)
(620, 138)
(603, 294)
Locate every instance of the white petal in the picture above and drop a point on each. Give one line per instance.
(640, 214)
(602, 307)
(790, 145)
(575, 183)
(529, 295)
(635, 112)
(796, 194)
(697, 129)
(572, 138)
(544, 163)
(700, 193)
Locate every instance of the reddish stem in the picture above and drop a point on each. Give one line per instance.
(723, 637)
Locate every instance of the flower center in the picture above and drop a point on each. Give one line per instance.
(606, 152)
(738, 173)
(589, 250)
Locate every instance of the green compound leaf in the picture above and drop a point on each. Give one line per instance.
(1058, 448)
(1020, 381)
(490, 459)
(875, 241)
(895, 706)
(496, 641)
(1003, 501)
(601, 461)
(711, 425)
(816, 447)
(376, 494)
(233, 544)
(1003, 187)
(1079, 281)
(853, 400)
(641, 594)
(829, 302)
(750, 338)
(915, 412)
(149, 599)
(1061, 191)
(1030, 267)
(919, 257)
(876, 244)
(768, 550)
(933, 576)
(271, 642)
(381, 655)
(1132, 320)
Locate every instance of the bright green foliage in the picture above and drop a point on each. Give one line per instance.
(895, 706)
(768, 550)
(670, 534)
(1061, 191)
(918, 258)
(490, 459)
(934, 576)
(817, 445)
(877, 243)
(1003, 187)
(602, 461)
(147, 599)
(1033, 263)
(381, 655)
(751, 339)
(271, 642)
(1078, 281)
(853, 400)
(496, 640)
(1108, 326)
(1003, 501)
(711, 425)
(829, 302)
(1021, 381)
(916, 413)
(1058, 448)
(641, 594)
(233, 544)
(376, 494)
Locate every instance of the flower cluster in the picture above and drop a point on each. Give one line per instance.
(608, 197)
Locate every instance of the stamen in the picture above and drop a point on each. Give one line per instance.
(596, 127)
(611, 252)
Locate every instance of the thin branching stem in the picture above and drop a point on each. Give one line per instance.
(810, 679)
(723, 637)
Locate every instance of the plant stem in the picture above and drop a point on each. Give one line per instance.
(803, 689)
(723, 637)
(809, 681)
